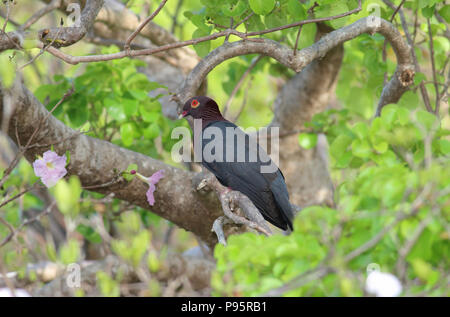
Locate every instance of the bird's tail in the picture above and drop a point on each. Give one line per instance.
(282, 201)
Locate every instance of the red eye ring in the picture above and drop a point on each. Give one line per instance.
(195, 103)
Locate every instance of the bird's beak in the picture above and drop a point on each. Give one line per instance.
(182, 115)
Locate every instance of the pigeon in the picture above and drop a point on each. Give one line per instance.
(240, 163)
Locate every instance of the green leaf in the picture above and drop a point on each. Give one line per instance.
(419, 77)
(139, 94)
(152, 131)
(114, 109)
(70, 252)
(425, 271)
(389, 114)
(445, 13)
(234, 10)
(297, 10)
(361, 130)
(130, 107)
(444, 145)
(199, 21)
(67, 195)
(427, 12)
(426, 119)
(307, 140)
(127, 133)
(201, 48)
(89, 233)
(262, 7)
(381, 147)
(7, 71)
(339, 146)
(361, 148)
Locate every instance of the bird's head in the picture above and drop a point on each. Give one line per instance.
(201, 107)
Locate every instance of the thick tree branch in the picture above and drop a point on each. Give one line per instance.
(71, 35)
(96, 162)
(59, 37)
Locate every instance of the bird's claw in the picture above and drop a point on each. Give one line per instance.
(202, 184)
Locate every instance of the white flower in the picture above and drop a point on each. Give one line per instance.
(383, 284)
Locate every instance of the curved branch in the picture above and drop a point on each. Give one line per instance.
(71, 35)
(398, 84)
(58, 36)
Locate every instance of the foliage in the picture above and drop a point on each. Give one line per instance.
(385, 171)
(391, 174)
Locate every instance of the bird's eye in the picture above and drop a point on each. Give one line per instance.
(195, 103)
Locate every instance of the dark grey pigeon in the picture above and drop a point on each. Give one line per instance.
(239, 164)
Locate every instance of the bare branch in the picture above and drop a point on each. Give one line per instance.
(143, 24)
(423, 90)
(433, 68)
(398, 84)
(240, 82)
(39, 14)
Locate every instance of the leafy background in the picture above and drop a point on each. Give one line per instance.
(390, 172)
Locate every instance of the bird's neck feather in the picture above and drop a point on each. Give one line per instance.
(211, 114)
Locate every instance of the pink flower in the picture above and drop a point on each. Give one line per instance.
(151, 181)
(51, 168)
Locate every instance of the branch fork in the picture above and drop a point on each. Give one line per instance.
(233, 202)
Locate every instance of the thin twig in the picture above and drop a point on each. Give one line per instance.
(11, 232)
(42, 50)
(19, 195)
(143, 24)
(384, 54)
(433, 68)
(411, 41)
(400, 217)
(297, 38)
(244, 20)
(8, 11)
(47, 211)
(409, 244)
(244, 101)
(240, 82)
(175, 16)
(35, 17)
(396, 10)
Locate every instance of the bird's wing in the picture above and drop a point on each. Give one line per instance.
(247, 178)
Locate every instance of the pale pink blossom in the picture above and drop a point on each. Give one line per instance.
(151, 181)
(50, 168)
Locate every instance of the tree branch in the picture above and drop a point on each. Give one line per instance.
(96, 161)
(398, 84)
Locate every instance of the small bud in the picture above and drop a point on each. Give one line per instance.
(132, 172)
